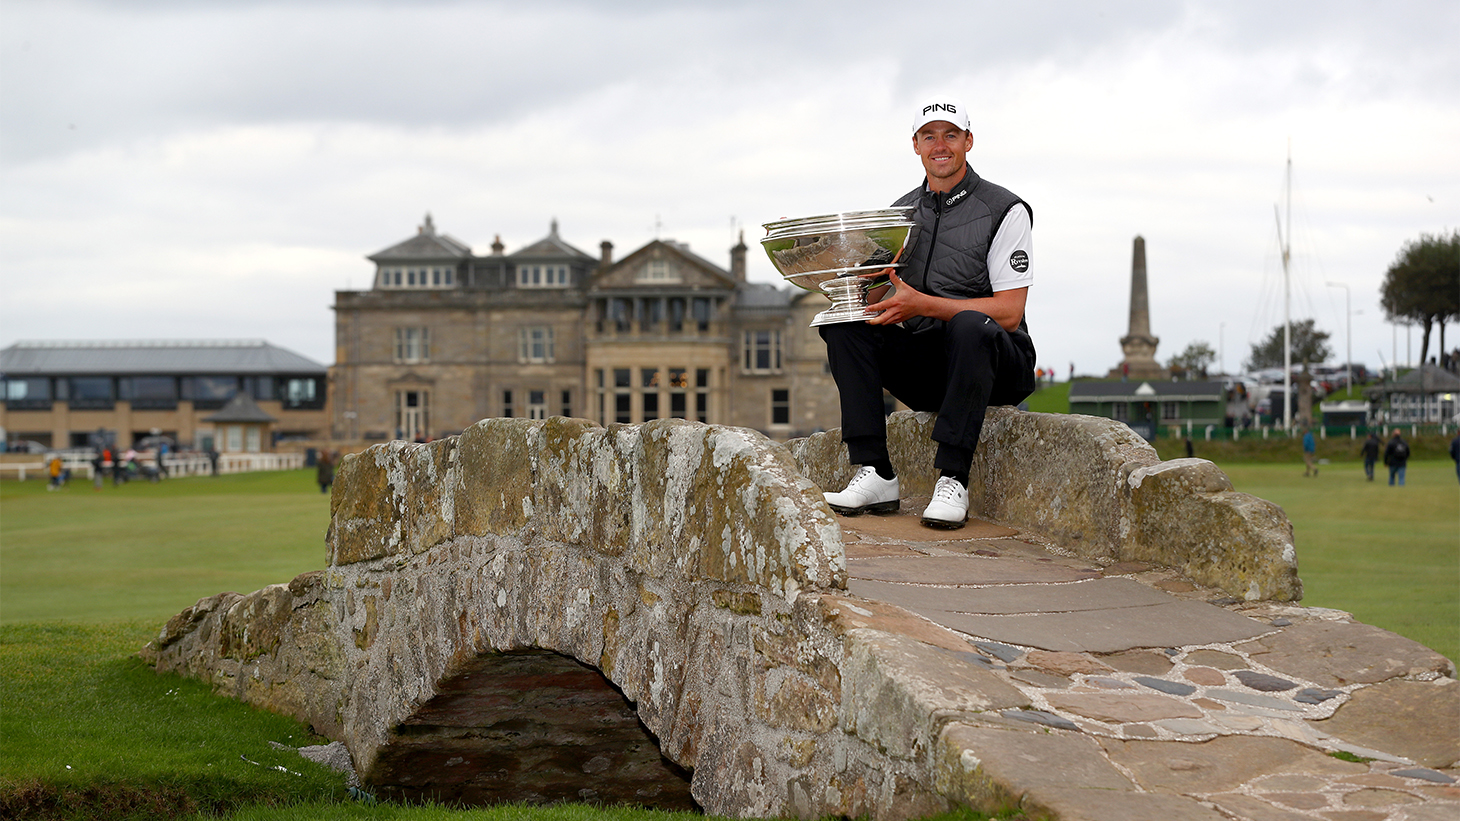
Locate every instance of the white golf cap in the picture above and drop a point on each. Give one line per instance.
(943, 108)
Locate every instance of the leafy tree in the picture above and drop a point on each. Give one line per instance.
(1422, 285)
(1197, 357)
(1309, 345)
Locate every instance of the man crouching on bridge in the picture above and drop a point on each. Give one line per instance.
(951, 337)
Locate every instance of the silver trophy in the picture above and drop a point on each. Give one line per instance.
(831, 253)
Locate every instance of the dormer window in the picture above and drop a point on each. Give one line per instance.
(418, 276)
(542, 276)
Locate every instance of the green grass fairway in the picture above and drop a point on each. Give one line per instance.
(1389, 555)
(146, 551)
(1051, 398)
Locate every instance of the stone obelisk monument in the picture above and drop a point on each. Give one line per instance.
(1138, 343)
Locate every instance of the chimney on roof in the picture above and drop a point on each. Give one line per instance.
(737, 259)
(605, 254)
(428, 228)
(497, 246)
(553, 228)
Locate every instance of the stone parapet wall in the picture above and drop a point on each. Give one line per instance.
(673, 498)
(1092, 486)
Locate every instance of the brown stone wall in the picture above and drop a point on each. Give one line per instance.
(474, 356)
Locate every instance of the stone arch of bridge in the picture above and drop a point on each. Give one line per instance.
(531, 726)
(665, 559)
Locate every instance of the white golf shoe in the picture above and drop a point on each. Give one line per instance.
(866, 493)
(949, 508)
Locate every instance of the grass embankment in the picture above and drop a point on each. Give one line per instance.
(1339, 450)
(89, 732)
(1050, 398)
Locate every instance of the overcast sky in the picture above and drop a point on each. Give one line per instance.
(189, 170)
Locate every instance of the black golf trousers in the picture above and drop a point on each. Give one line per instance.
(956, 369)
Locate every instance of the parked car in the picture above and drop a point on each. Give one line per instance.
(151, 443)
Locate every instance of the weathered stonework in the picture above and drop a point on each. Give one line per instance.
(538, 610)
(693, 566)
(1092, 486)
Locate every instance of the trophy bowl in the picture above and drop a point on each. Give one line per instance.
(833, 252)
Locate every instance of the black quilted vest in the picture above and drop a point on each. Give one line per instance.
(949, 258)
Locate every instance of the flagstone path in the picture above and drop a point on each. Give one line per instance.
(1148, 697)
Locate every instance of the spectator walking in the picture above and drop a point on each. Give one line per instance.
(1396, 456)
(1370, 450)
(1455, 453)
(1310, 451)
(118, 467)
(56, 473)
(325, 471)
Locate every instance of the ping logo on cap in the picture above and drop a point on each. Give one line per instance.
(940, 108)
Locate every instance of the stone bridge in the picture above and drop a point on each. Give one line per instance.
(664, 615)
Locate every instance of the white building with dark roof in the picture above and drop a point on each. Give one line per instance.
(1426, 395)
(60, 393)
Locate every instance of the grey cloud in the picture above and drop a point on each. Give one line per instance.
(81, 74)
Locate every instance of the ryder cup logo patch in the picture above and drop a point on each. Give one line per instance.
(1019, 261)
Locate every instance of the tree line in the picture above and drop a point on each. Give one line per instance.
(1421, 287)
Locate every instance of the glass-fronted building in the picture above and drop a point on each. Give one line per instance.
(59, 394)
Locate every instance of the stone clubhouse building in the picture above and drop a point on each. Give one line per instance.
(445, 337)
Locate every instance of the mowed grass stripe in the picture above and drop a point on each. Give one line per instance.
(149, 550)
(1389, 555)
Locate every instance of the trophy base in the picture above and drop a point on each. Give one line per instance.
(831, 316)
(848, 295)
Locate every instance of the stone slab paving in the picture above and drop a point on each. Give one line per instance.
(964, 570)
(1142, 695)
(1096, 594)
(1169, 624)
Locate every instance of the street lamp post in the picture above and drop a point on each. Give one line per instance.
(1348, 334)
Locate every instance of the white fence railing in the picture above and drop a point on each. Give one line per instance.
(188, 464)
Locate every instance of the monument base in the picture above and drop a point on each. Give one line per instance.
(1142, 371)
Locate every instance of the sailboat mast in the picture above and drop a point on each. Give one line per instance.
(1285, 241)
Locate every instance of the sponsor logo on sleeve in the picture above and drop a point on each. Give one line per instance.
(1019, 261)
